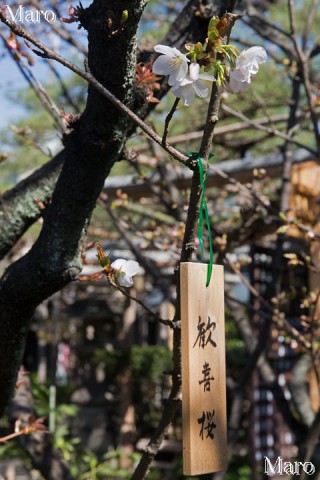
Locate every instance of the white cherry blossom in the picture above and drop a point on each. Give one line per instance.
(192, 85)
(172, 62)
(238, 81)
(125, 270)
(249, 60)
(247, 64)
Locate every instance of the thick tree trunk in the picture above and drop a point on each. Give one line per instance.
(91, 149)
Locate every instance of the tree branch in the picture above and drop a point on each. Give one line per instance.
(92, 79)
(91, 149)
(18, 206)
(272, 131)
(303, 62)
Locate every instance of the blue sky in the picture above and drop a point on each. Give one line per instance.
(11, 78)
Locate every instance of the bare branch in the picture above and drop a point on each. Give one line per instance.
(233, 128)
(61, 30)
(307, 27)
(47, 102)
(168, 120)
(303, 62)
(46, 52)
(272, 131)
(268, 30)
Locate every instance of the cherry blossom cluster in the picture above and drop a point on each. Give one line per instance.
(207, 62)
(123, 271)
(119, 272)
(247, 64)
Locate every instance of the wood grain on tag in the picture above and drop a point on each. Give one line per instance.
(203, 370)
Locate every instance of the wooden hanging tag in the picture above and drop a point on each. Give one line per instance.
(204, 419)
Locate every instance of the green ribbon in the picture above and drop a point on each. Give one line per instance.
(204, 215)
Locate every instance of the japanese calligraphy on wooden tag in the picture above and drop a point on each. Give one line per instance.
(203, 370)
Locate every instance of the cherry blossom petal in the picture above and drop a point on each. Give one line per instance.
(131, 267)
(247, 64)
(165, 50)
(172, 62)
(236, 87)
(237, 83)
(184, 82)
(125, 270)
(171, 52)
(161, 65)
(125, 280)
(206, 76)
(186, 92)
(118, 264)
(177, 73)
(194, 74)
(200, 89)
(250, 59)
(194, 71)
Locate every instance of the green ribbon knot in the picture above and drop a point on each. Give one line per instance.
(204, 214)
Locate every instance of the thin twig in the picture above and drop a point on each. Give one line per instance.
(270, 130)
(195, 193)
(143, 305)
(308, 24)
(168, 120)
(303, 62)
(268, 30)
(60, 29)
(47, 102)
(64, 88)
(147, 265)
(46, 52)
(232, 128)
(287, 154)
(131, 156)
(166, 322)
(276, 317)
(252, 11)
